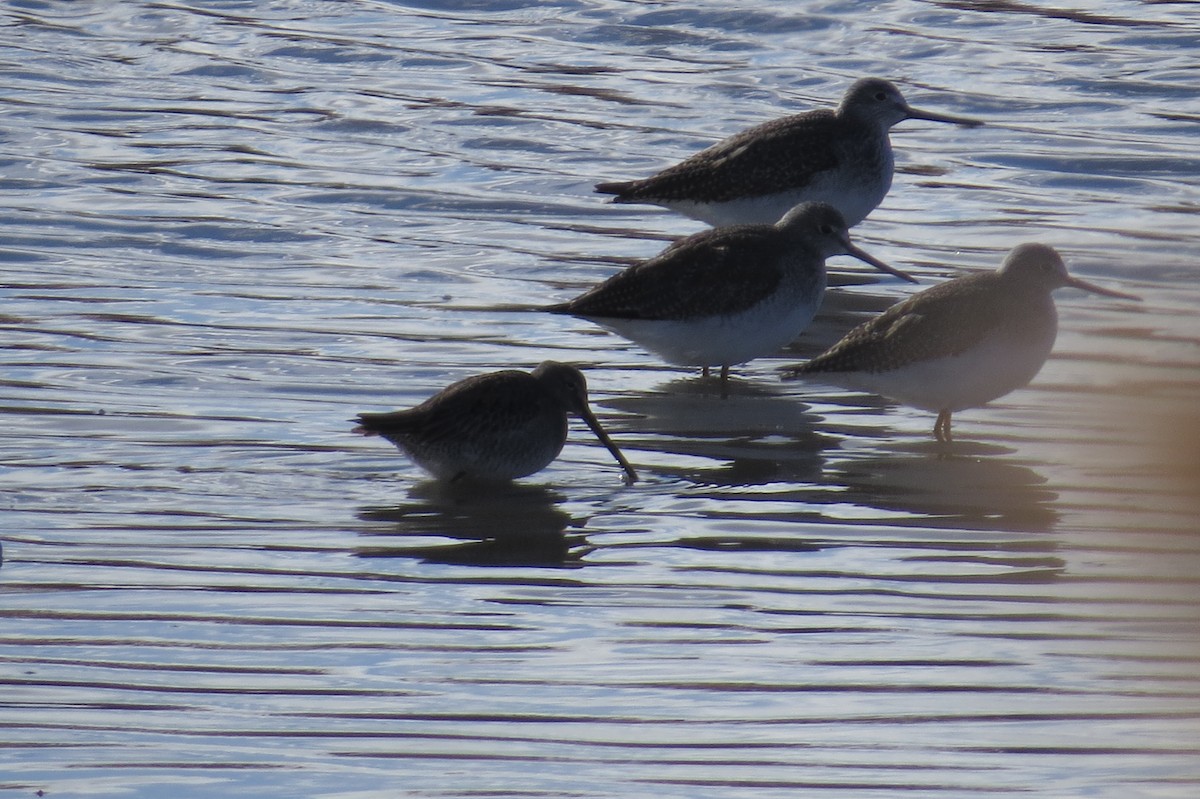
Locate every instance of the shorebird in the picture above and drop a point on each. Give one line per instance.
(960, 344)
(493, 427)
(725, 296)
(841, 157)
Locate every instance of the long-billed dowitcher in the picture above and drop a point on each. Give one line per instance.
(725, 296)
(959, 344)
(493, 427)
(842, 157)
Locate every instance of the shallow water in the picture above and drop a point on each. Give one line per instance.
(231, 226)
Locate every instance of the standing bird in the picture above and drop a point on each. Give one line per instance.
(960, 344)
(841, 157)
(727, 295)
(493, 427)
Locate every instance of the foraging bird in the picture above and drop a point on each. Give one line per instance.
(493, 427)
(841, 157)
(725, 296)
(960, 344)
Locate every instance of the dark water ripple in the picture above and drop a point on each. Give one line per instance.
(228, 227)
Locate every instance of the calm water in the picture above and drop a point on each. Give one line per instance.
(230, 226)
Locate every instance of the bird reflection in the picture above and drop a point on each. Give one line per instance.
(961, 489)
(758, 435)
(503, 525)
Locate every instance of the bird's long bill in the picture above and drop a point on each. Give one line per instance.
(594, 423)
(878, 264)
(1076, 283)
(917, 113)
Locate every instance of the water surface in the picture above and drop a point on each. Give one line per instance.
(228, 227)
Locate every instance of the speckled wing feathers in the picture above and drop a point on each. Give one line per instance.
(773, 157)
(717, 272)
(943, 321)
(468, 408)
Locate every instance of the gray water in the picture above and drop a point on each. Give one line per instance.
(230, 226)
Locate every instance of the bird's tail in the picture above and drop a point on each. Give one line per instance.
(619, 188)
(374, 424)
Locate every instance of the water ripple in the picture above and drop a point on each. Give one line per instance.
(230, 227)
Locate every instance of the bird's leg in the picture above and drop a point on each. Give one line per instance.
(704, 371)
(724, 382)
(941, 428)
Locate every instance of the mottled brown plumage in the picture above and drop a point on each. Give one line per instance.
(725, 296)
(772, 157)
(945, 320)
(496, 426)
(842, 157)
(715, 272)
(957, 345)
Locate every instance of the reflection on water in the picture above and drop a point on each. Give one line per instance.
(514, 525)
(938, 486)
(754, 436)
(228, 229)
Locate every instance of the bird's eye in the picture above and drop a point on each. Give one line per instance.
(880, 96)
(827, 228)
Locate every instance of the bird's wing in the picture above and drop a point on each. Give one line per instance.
(941, 322)
(482, 402)
(776, 156)
(716, 272)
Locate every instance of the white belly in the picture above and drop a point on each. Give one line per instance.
(855, 192)
(722, 340)
(767, 209)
